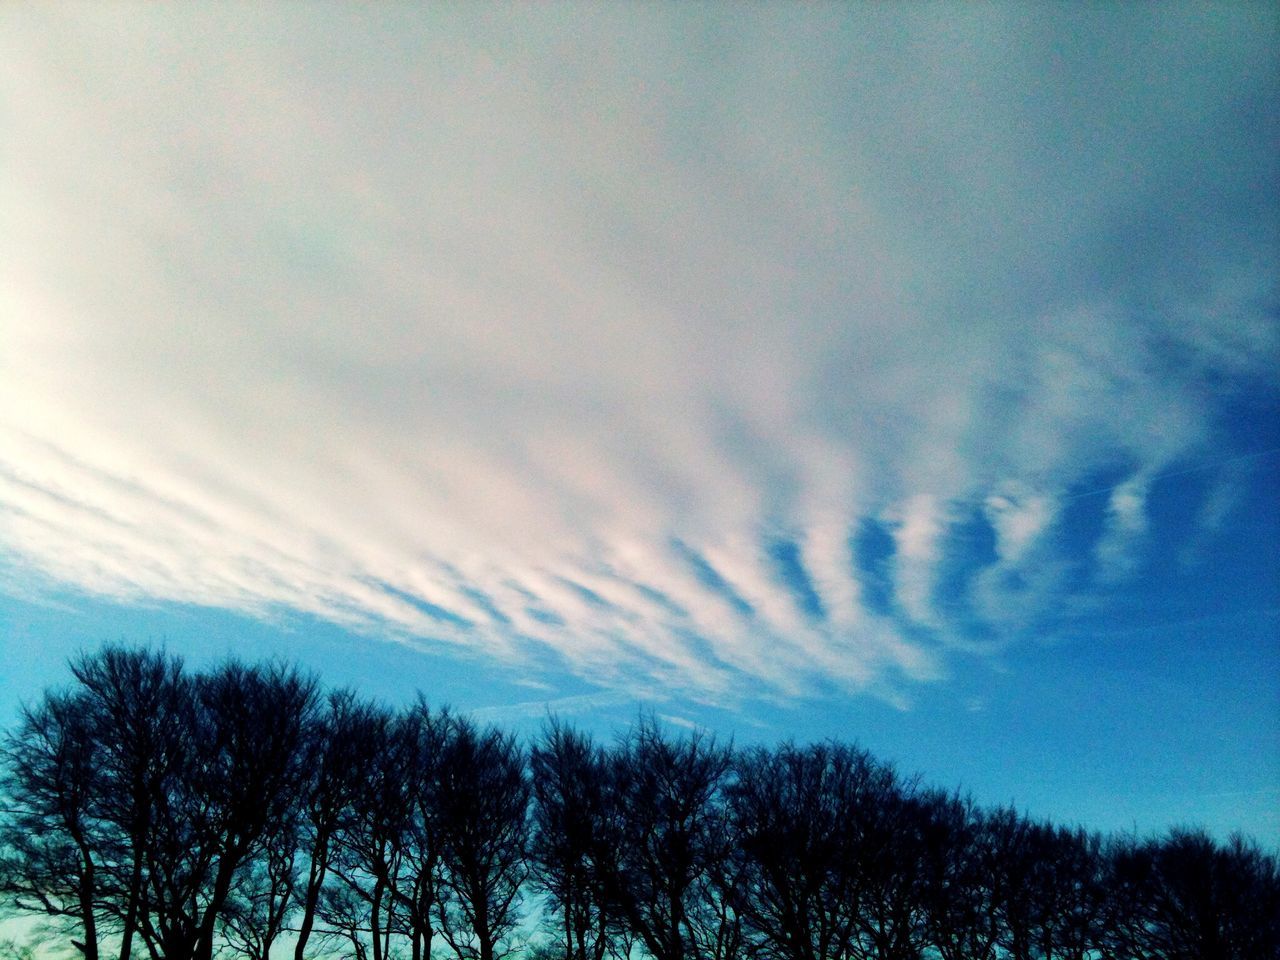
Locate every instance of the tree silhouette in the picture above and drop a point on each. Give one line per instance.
(365, 865)
(666, 799)
(333, 772)
(789, 809)
(147, 810)
(252, 729)
(962, 884)
(425, 737)
(574, 838)
(52, 848)
(483, 804)
(141, 708)
(1186, 897)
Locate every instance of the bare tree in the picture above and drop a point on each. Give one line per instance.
(1017, 843)
(252, 730)
(202, 774)
(573, 838)
(1249, 879)
(187, 815)
(483, 804)
(790, 811)
(1071, 893)
(1047, 902)
(335, 769)
(1184, 897)
(369, 844)
(666, 794)
(888, 824)
(421, 890)
(142, 711)
(962, 884)
(52, 847)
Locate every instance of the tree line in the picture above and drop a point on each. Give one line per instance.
(150, 811)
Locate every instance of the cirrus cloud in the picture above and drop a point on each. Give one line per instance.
(603, 331)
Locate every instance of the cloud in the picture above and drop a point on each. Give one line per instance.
(554, 707)
(601, 340)
(1126, 524)
(1018, 519)
(920, 524)
(678, 721)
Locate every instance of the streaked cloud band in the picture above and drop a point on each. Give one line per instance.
(612, 335)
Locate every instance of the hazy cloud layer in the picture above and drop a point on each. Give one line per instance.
(604, 331)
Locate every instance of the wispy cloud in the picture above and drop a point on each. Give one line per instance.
(1126, 523)
(553, 707)
(605, 339)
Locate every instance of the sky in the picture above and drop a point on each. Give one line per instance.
(907, 374)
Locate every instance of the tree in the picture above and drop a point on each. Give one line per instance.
(337, 758)
(263, 893)
(191, 814)
(197, 772)
(963, 884)
(573, 838)
(1184, 896)
(141, 714)
(426, 737)
(51, 847)
(889, 847)
(790, 812)
(482, 803)
(1019, 846)
(255, 720)
(1070, 891)
(372, 833)
(665, 796)
(89, 771)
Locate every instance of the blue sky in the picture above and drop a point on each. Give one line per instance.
(905, 374)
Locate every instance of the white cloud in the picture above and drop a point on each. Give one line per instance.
(919, 526)
(1126, 525)
(451, 325)
(554, 707)
(1024, 582)
(1018, 518)
(678, 721)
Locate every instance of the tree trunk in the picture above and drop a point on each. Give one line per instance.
(319, 866)
(135, 896)
(90, 948)
(375, 920)
(221, 888)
